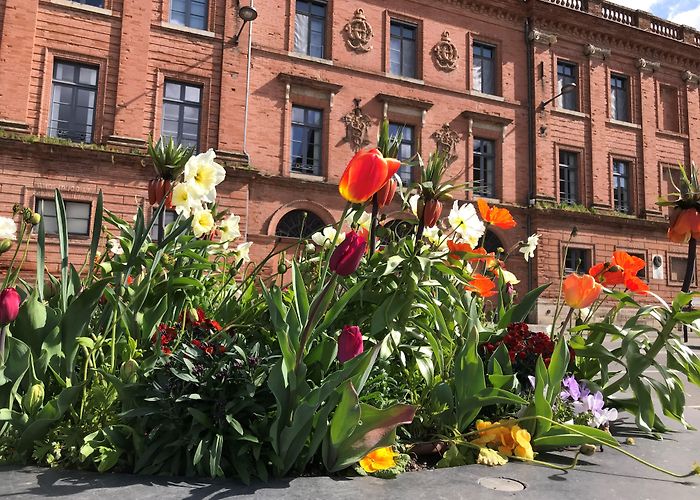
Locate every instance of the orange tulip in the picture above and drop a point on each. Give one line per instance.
(367, 173)
(482, 286)
(581, 291)
(684, 224)
(499, 217)
(386, 193)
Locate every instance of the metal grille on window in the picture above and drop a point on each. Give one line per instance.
(407, 148)
(307, 127)
(181, 112)
(567, 73)
(310, 28)
(577, 260)
(402, 49)
(484, 68)
(484, 168)
(169, 216)
(190, 13)
(77, 216)
(621, 194)
(299, 224)
(73, 101)
(619, 98)
(568, 177)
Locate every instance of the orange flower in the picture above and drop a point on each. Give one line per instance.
(506, 436)
(481, 285)
(499, 217)
(379, 459)
(459, 251)
(684, 224)
(367, 173)
(622, 270)
(581, 291)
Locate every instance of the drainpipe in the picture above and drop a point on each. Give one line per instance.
(245, 116)
(532, 155)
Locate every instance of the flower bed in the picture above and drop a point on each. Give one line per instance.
(177, 356)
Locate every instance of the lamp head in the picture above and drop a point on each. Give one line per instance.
(248, 13)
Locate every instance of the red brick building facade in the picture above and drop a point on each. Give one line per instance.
(285, 107)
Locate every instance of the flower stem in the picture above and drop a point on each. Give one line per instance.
(689, 271)
(373, 227)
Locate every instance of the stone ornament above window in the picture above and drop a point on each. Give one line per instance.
(646, 65)
(357, 127)
(538, 36)
(446, 141)
(598, 52)
(445, 53)
(690, 77)
(358, 33)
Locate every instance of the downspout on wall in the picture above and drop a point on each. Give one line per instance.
(532, 153)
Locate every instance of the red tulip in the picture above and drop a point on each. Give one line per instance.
(350, 343)
(431, 212)
(386, 193)
(367, 173)
(9, 305)
(347, 256)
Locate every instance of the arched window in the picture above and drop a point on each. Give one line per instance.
(492, 242)
(299, 224)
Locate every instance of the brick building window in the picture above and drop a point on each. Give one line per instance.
(484, 68)
(73, 99)
(567, 73)
(169, 216)
(619, 98)
(299, 224)
(402, 49)
(307, 128)
(77, 216)
(407, 148)
(310, 28)
(568, 177)
(668, 108)
(676, 269)
(181, 111)
(621, 186)
(484, 168)
(190, 13)
(93, 3)
(577, 260)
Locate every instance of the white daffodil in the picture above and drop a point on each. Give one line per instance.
(185, 200)
(434, 236)
(202, 223)
(242, 252)
(509, 278)
(230, 228)
(114, 246)
(325, 237)
(413, 203)
(466, 223)
(8, 229)
(203, 174)
(528, 249)
(364, 220)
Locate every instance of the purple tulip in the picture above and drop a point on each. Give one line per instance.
(350, 343)
(347, 256)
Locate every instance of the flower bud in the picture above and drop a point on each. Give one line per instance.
(5, 245)
(16, 208)
(350, 343)
(588, 449)
(27, 215)
(282, 267)
(33, 399)
(129, 371)
(9, 305)
(386, 194)
(347, 256)
(36, 218)
(630, 441)
(192, 315)
(430, 212)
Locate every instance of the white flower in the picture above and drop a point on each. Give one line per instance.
(466, 223)
(230, 228)
(434, 236)
(528, 249)
(185, 200)
(365, 221)
(202, 223)
(509, 278)
(310, 247)
(114, 246)
(325, 237)
(413, 203)
(8, 229)
(242, 252)
(203, 174)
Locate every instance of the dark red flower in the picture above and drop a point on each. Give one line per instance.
(350, 343)
(347, 256)
(9, 305)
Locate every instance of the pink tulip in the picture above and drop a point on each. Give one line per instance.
(9, 305)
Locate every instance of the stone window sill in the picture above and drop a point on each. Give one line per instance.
(79, 6)
(307, 177)
(491, 97)
(405, 79)
(618, 123)
(569, 112)
(187, 29)
(672, 134)
(299, 55)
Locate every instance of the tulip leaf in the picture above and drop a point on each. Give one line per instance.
(520, 312)
(469, 380)
(572, 435)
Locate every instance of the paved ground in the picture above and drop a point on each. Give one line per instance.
(605, 476)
